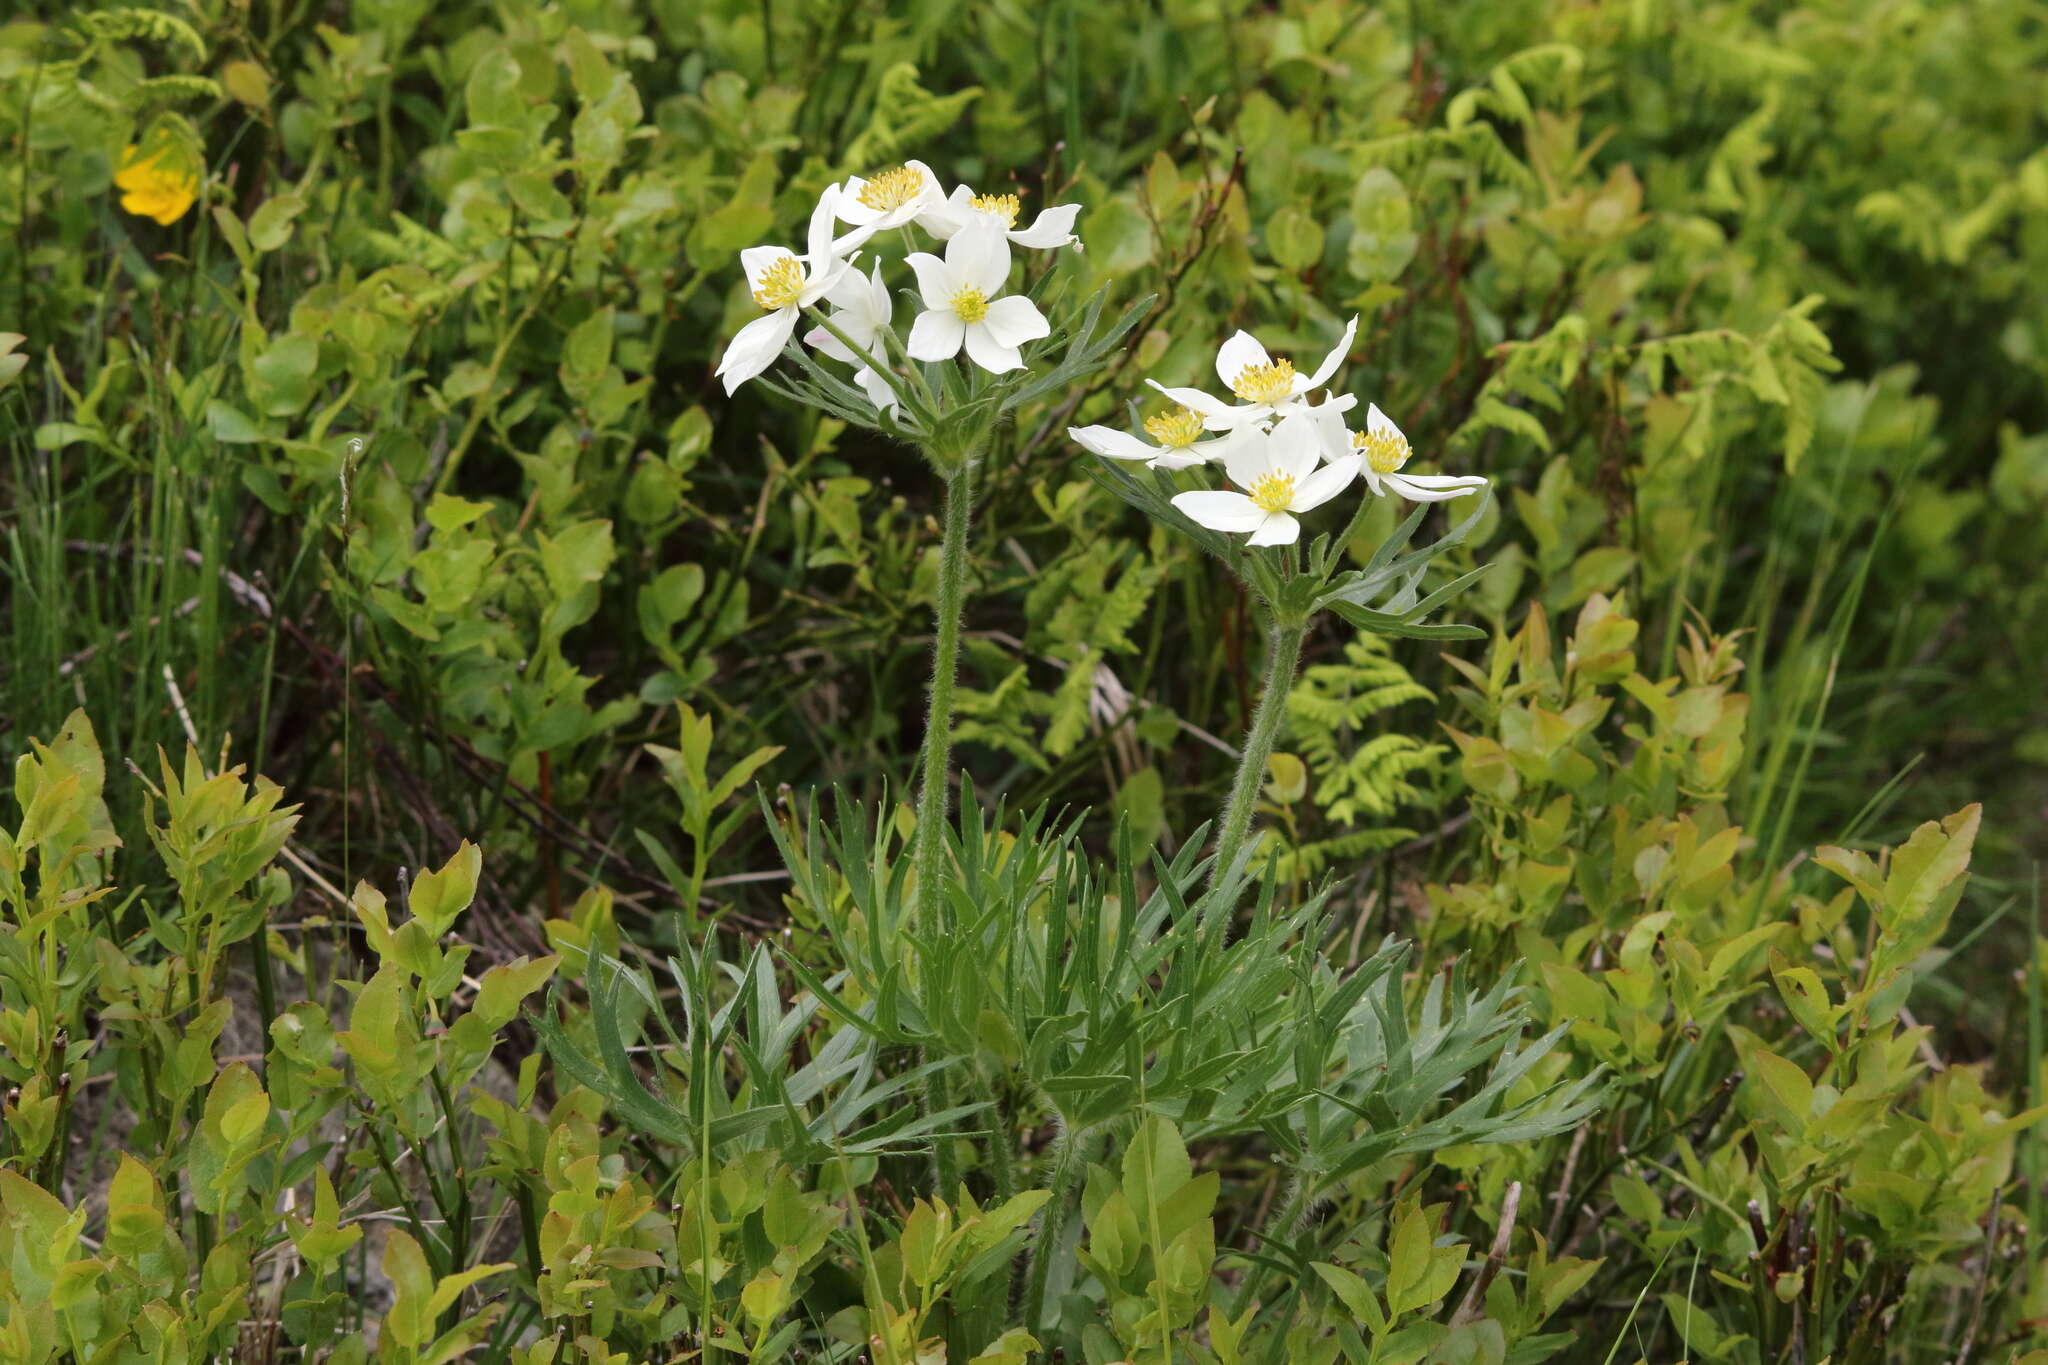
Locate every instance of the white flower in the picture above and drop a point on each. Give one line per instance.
(1278, 474)
(783, 283)
(1270, 388)
(862, 311)
(1178, 433)
(961, 307)
(889, 200)
(1384, 450)
(1052, 228)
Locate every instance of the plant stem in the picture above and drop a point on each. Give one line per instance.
(930, 851)
(1052, 1224)
(1283, 654)
(1276, 1228)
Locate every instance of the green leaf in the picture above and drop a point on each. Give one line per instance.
(270, 227)
(229, 425)
(1294, 238)
(1355, 1294)
(437, 898)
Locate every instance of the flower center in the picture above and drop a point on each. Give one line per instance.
(892, 189)
(780, 284)
(971, 304)
(1176, 430)
(1273, 492)
(1384, 451)
(1265, 383)
(1003, 206)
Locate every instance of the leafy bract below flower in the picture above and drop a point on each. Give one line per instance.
(1270, 388)
(961, 307)
(783, 283)
(862, 310)
(1052, 228)
(1384, 449)
(155, 186)
(890, 199)
(1178, 433)
(1279, 475)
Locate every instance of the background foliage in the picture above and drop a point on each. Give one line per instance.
(397, 463)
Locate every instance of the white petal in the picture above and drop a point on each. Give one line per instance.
(1240, 353)
(1378, 423)
(1220, 510)
(1112, 444)
(1249, 458)
(755, 346)
(821, 243)
(1015, 320)
(876, 388)
(1277, 529)
(979, 255)
(857, 330)
(936, 335)
(1183, 458)
(1330, 361)
(944, 217)
(818, 283)
(1326, 483)
(880, 304)
(860, 329)
(1054, 227)
(986, 351)
(1230, 419)
(849, 208)
(1217, 448)
(1331, 433)
(843, 246)
(849, 293)
(1296, 445)
(1433, 487)
(1193, 399)
(936, 281)
(927, 188)
(755, 261)
(823, 342)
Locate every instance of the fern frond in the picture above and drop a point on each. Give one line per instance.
(119, 25)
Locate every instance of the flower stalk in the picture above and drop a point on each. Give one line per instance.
(1283, 656)
(1070, 1161)
(929, 853)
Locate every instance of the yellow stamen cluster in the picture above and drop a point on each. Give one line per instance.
(1003, 206)
(892, 189)
(1273, 492)
(1176, 430)
(780, 284)
(1384, 451)
(1265, 383)
(971, 304)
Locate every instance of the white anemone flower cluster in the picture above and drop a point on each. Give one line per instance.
(962, 291)
(1286, 454)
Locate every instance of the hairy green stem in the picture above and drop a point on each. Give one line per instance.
(1052, 1224)
(1278, 1227)
(930, 851)
(1283, 654)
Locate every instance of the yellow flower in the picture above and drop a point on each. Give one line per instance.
(154, 187)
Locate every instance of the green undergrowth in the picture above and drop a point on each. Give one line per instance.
(463, 893)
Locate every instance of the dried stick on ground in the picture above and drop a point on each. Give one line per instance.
(1474, 1303)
